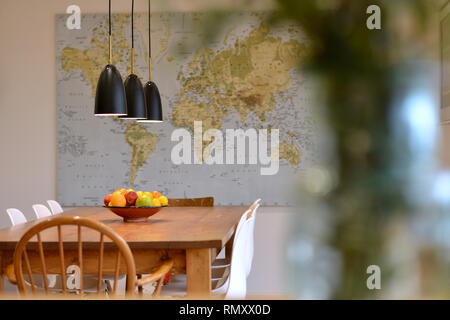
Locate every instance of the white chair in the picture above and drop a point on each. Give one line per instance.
(55, 207)
(16, 216)
(220, 269)
(251, 241)
(235, 285)
(251, 213)
(41, 211)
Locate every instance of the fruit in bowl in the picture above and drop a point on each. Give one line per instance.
(135, 206)
(131, 198)
(107, 199)
(144, 201)
(164, 201)
(156, 194)
(122, 197)
(118, 199)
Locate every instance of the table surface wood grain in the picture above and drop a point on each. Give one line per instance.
(171, 228)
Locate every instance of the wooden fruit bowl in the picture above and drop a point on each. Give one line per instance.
(135, 214)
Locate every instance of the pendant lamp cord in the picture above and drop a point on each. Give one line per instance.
(149, 46)
(132, 36)
(109, 38)
(132, 24)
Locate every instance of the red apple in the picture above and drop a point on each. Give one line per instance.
(131, 198)
(107, 199)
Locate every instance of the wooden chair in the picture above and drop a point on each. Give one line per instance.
(123, 251)
(193, 202)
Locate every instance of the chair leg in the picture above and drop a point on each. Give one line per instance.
(140, 288)
(109, 289)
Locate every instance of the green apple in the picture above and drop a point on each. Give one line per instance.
(144, 201)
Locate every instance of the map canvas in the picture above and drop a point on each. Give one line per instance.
(246, 77)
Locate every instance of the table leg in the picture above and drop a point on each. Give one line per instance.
(198, 272)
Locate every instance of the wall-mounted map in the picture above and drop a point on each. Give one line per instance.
(246, 77)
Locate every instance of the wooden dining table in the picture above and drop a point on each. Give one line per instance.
(191, 236)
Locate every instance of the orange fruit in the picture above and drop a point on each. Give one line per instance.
(122, 191)
(118, 200)
(156, 194)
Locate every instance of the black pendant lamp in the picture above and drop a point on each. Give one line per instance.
(133, 86)
(110, 95)
(152, 97)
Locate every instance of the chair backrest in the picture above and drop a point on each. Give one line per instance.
(242, 254)
(251, 239)
(55, 207)
(253, 206)
(41, 211)
(16, 216)
(237, 280)
(248, 215)
(193, 202)
(26, 249)
(244, 218)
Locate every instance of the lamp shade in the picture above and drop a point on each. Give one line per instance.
(153, 99)
(135, 98)
(110, 95)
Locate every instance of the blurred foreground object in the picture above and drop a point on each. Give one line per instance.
(378, 101)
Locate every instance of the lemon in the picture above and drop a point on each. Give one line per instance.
(156, 202)
(163, 200)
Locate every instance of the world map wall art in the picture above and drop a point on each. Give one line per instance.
(246, 77)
